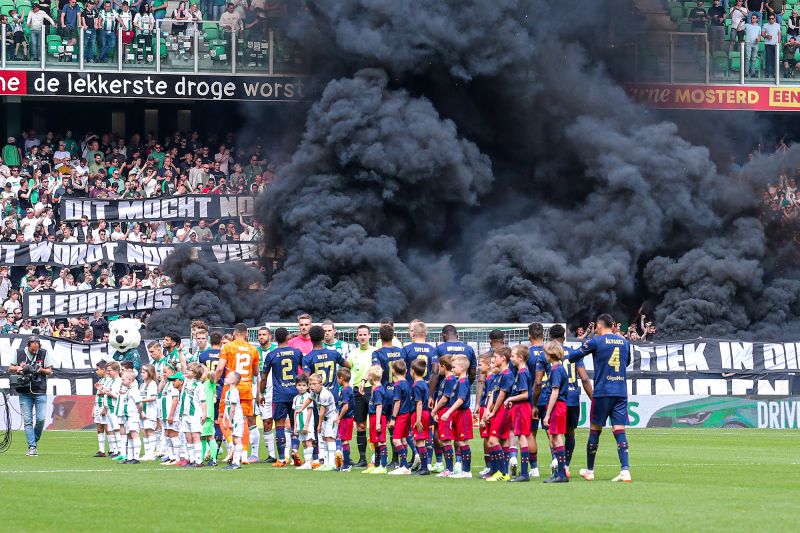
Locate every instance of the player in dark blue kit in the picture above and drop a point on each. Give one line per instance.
(419, 349)
(538, 367)
(611, 354)
(384, 357)
(285, 364)
(323, 361)
(345, 405)
(575, 371)
(452, 347)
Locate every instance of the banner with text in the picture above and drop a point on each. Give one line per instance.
(121, 252)
(721, 97)
(152, 86)
(107, 301)
(187, 207)
(711, 367)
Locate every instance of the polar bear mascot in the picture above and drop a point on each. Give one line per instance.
(125, 337)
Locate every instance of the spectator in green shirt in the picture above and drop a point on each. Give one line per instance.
(11, 153)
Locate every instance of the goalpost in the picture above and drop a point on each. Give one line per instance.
(476, 335)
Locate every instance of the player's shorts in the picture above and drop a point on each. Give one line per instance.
(484, 429)
(500, 424)
(613, 407)
(175, 426)
(538, 421)
(148, 423)
(425, 434)
(281, 410)
(558, 419)
(329, 429)
(377, 437)
(265, 410)
(247, 406)
(345, 433)
(444, 429)
(208, 428)
(573, 416)
(132, 424)
(113, 421)
(521, 418)
(191, 424)
(237, 428)
(402, 426)
(461, 424)
(307, 436)
(361, 409)
(97, 415)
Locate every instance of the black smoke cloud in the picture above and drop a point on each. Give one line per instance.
(467, 161)
(376, 185)
(218, 294)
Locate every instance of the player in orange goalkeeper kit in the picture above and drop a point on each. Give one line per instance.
(241, 357)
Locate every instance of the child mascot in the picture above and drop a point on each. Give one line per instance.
(125, 337)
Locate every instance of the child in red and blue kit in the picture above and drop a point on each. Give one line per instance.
(377, 421)
(460, 415)
(556, 417)
(444, 428)
(521, 405)
(499, 418)
(345, 404)
(401, 416)
(421, 418)
(486, 370)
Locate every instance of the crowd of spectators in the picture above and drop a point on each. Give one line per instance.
(135, 21)
(781, 207)
(640, 333)
(37, 172)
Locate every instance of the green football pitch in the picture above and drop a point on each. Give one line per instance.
(684, 480)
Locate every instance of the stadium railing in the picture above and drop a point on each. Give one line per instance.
(202, 48)
(691, 57)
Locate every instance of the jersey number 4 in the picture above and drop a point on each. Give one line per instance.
(614, 360)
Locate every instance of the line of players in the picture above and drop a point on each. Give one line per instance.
(418, 392)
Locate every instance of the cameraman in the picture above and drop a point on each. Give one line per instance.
(33, 365)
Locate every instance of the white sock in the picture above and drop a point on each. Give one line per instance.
(112, 442)
(331, 459)
(164, 443)
(151, 445)
(176, 448)
(182, 437)
(124, 447)
(237, 454)
(190, 452)
(288, 447)
(198, 452)
(137, 448)
(101, 442)
(255, 441)
(269, 443)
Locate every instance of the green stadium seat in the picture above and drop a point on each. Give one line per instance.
(735, 62)
(685, 27)
(211, 33)
(676, 12)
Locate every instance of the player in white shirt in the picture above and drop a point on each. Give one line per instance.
(131, 415)
(111, 392)
(98, 412)
(233, 418)
(172, 416)
(194, 412)
(149, 396)
(327, 427)
(303, 429)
